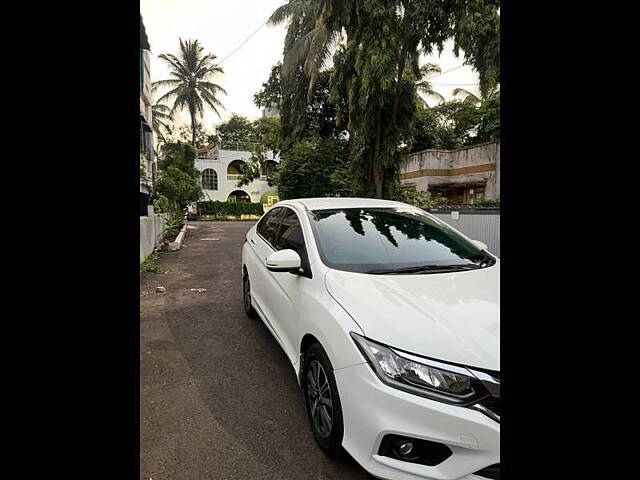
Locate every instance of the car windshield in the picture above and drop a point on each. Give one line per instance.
(392, 241)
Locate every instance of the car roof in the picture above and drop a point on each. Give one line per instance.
(326, 203)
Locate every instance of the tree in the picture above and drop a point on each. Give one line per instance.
(191, 87)
(179, 188)
(185, 134)
(179, 155)
(161, 118)
(489, 125)
(456, 124)
(300, 116)
(375, 46)
(236, 129)
(424, 86)
(314, 168)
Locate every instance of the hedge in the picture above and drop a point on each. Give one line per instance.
(229, 208)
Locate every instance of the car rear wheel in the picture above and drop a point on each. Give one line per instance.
(322, 401)
(246, 296)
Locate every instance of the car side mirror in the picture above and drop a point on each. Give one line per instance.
(284, 261)
(479, 244)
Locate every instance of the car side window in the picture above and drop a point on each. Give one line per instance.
(268, 226)
(290, 235)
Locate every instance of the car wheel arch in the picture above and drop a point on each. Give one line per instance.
(307, 340)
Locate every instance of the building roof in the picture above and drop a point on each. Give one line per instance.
(342, 202)
(144, 40)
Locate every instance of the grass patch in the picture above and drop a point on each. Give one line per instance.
(150, 265)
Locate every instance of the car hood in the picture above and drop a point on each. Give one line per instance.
(453, 317)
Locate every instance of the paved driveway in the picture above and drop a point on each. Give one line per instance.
(218, 398)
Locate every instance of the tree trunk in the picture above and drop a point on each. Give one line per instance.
(378, 171)
(396, 99)
(192, 113)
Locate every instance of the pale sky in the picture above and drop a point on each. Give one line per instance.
(222, 25)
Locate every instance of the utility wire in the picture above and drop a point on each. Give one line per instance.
(245, 41)
(450, 70)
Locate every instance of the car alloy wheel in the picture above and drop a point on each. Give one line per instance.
(320, 399)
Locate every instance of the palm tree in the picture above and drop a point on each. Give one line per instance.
(318, 30)
(161, 117)
(424, 86)
(191, 85)
(469, 97)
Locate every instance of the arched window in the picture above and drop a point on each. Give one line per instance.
(209, 179)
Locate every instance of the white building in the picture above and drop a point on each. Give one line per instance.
(220, 167)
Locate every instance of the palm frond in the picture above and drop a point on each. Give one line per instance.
(466, 95)
(291, 9)
(429, 69)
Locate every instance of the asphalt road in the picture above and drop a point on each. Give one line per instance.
(218, 397)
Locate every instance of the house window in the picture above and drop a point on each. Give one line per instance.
(209, 179)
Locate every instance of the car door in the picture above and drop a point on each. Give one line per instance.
(278, 293)
(286, 288)
(261, 242)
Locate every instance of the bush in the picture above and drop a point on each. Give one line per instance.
(229, 208)
(487, 203)
(162, 204)
(421, 199)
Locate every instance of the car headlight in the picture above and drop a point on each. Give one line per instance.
(428, 378)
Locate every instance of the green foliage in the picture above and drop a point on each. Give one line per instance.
(302, 116)
(263, 131)
(174, 223)
(179, 155)
(185, 134)
(236, 129)
(314, 168)
(375, 46)
(489, 124)
(267, 132)
(455, 124)
(161, 204)
(150, 265)
(178, 187)
(229, 208)
(162, 120)
(487, 203)
(420, 199)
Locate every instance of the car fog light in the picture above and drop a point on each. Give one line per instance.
(414, 450)
(405, 448)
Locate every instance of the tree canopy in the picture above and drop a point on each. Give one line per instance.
(375, 46)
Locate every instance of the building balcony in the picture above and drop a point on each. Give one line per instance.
(239, 146)
(235, 178)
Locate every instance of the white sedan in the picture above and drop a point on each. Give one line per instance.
(391, 320)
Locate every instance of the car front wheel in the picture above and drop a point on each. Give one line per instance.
(322, 400)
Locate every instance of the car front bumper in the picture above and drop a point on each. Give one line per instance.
(372, 410)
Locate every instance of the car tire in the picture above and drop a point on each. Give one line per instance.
(246, 295)
(323, 405)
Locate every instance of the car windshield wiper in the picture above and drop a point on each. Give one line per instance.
(424, 268)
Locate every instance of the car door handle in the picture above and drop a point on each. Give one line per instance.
(252, 241)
